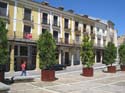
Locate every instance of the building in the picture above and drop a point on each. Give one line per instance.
(26, 20)
(121, 39)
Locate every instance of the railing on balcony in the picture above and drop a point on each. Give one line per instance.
(56, 39)
(92, 35)
(27, 35)
(66, 41)
(3, 11)
(44, 21)
(27, 17)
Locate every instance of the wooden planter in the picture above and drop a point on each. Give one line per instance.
(112, 69)
(122, 67)
(88, 72)
(48, 75)
(1, 76)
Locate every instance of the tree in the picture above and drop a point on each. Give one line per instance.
(109, 54)
(47, 49)
(87, 52)
(3, 44)
(122, 54)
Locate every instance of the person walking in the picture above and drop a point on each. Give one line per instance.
(23, 68)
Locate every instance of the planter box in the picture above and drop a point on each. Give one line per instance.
(88, 72)
(48, 75)
(112, 69)
(1, 76)
(122, 67)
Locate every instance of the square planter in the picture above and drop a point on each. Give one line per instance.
(1, 76)
(48, 75)
(112, 69)
(122, 67)
(88, 72)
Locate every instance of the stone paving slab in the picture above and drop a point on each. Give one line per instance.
(75, 83)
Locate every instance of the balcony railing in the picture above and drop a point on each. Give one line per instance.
(3, 11)
(27, 16)
(44, 21)
(66, 41)
(56, 39)
(77, 31)
(93, 35)
(27, 35)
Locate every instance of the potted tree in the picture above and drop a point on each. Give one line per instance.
(122, 57)
(87, 56)
(109, 57)
(3, 49)
(47, 48)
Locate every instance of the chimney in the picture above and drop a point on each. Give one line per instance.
(86, 16)
(45, 3)
(70, 11)
(61, 8)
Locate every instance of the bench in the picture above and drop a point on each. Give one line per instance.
(23, 78)
(4, 88)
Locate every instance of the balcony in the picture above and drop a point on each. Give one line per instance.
(55, 26)
(27, 35)
(92, 35)
(67, 29)
(98, 46)
(77, 32)
(27, 19)
(3, 13)
(104, 37)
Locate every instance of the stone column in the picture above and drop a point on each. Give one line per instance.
(101, 56)
(37, 61)
(72, 59)
(60, 57)
(12, 59)
(95, 57)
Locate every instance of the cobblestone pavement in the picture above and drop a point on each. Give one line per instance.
(74, 82)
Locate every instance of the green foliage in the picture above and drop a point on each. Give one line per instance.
(87, 52)
(3, 43)
(122, 54)
(47, 49)
(109, 54)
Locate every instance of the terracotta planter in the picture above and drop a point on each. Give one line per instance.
(112, 69)
(122, 67)
(88, 72)
(1, 76)
(48, 75)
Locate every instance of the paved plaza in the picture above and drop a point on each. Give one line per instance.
(74, 82)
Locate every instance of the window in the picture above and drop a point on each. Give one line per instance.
(55, 35)
(76, 25)
(91, 29)
(66, 23)
(27, 29)
(103, 30)
(84, 27)
(16, 50)
(98, 29)
(45, 16)
(55, 21)
(27, 14)
(23, 51)
(66, 38)
(78, 39)
(27, 32)
(43, 30)
(3, 9)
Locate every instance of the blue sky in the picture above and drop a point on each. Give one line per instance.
(113, 10)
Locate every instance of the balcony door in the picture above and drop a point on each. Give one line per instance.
(3, 9)
(27, 14)
(67, 59)
(66, 38)
(55, 36)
